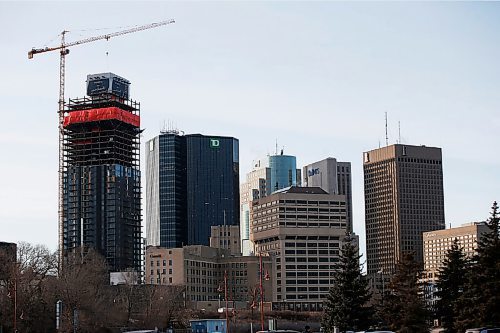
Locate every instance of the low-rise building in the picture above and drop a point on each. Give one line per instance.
(206, 272)
(438, 243)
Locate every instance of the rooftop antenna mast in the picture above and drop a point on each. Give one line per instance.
(399, 132)
(386, 136)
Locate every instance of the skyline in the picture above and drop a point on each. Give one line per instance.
(317, 77)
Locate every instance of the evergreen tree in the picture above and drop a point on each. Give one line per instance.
(346, 306)
(450, 285)
(404, 308)
(479, 305)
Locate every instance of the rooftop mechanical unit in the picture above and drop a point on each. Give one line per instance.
(107, 84)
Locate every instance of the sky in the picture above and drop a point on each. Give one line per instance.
(316, 77)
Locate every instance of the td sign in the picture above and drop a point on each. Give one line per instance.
(214, 143)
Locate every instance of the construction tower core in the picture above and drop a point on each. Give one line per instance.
(101, 175)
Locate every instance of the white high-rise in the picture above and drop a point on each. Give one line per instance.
(334, 177)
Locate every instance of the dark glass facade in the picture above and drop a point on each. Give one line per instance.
(212, 185)
(192, 184)
(172, 176)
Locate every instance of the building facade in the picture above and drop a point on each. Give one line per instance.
(192, 183)
(166, 192)
(201, 269)
(438, 243)
(302, 229)
(226, 237)
(101, 187)
(403, 199)
(269, 174)
(334, 177)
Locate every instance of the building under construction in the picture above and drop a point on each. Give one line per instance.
(101, 185)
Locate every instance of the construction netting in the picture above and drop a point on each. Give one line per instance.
(94, 115)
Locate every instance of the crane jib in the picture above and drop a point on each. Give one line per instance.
(96, 38)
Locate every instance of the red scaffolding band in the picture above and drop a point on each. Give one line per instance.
(94, 115)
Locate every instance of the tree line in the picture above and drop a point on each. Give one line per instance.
(468, 291)
(31, 286)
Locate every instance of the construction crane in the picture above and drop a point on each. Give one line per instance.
(64, 51)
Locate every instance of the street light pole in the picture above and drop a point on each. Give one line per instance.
(266, 277)
(261, 294)
(225, 298)
(15, 297)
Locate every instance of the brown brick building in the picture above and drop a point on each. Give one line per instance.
(403, 198)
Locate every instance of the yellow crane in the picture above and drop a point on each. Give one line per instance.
(64, 51)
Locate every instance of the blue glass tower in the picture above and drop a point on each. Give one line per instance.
(283, 172)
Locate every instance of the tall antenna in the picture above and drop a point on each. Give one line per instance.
(399, 131)
(276, 151)
(386, 136)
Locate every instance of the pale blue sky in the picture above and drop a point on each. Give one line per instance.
(317, 77)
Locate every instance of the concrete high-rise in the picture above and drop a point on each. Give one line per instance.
(101, 187)
(334, 177)
(269, 174)
(192, 183)
(302, 229)
(403, 198)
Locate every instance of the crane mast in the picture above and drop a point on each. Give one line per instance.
(64, 51)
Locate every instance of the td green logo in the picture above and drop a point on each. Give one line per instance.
(214, 143)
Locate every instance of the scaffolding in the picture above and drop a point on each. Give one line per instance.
(101, 179)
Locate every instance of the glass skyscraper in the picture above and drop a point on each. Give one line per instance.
(192, 183)
(283, 172)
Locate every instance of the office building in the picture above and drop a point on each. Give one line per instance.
(192, 183)
(269, 174)
(403, 199)
(226, 237)
(201, 270)
(438, 243)
(101, 187)
(334, 177)
(302, 229)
